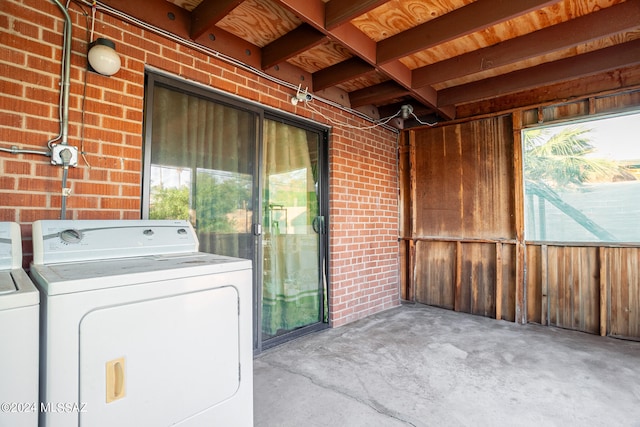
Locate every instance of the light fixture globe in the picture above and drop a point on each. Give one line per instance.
(103, 58)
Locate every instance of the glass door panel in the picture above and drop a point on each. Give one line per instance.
(202, 169)
(292, 290)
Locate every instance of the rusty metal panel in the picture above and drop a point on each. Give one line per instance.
(623, 276)
(574, 288)
(435, 273)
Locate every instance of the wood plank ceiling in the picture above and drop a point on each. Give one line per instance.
(435, 55)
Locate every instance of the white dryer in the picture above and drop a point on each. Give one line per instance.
(19, 314)
(141, 329)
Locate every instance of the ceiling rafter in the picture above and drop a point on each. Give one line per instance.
(378, 93)
(176, 20)
(313, 13)
(338, 12)
(599, 61)
(475, 16)
(606, 22)
(388, 73)
(208, 13)
(302, 38)
(341, 72)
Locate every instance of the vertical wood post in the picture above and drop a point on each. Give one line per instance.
(544, 277)
(498, 280)
(604, 292)
(518, 188)
(412, 213)
(457, 300)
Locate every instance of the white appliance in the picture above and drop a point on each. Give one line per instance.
(141, 329)
(19, 314)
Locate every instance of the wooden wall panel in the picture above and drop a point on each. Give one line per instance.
(533, 282)
(623, 279)
(477, 293)
(487, 178)
(464, 180)
(435, 273)
(438, 182)
(506, 286)
(574, 288)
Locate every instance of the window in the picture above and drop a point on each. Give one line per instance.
(582, 181)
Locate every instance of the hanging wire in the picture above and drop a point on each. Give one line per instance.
(228, 59)
(375, 124)
(421, 122)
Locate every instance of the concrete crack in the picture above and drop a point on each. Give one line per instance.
(375, 405)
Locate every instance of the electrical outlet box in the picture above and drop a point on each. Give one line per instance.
(57, 157)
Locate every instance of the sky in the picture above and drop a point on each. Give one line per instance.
(616, 138)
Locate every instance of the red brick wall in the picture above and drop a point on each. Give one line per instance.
(107, 182)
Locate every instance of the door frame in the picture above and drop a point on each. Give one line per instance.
(323, 240)
(261, 112)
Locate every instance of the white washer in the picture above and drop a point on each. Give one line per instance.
(19, 314)
(141, 329)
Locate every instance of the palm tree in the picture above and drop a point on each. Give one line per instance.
(562, 159)
(559, 160)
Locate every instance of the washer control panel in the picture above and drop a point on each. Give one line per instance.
(10, 246)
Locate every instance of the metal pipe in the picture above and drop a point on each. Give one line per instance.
(16, 150)
(65, 74)
(63, 203)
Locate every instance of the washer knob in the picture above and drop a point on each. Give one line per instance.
(71, 235)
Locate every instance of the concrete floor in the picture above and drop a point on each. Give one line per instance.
(423, 366)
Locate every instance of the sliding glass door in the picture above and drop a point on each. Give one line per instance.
(292, 288)
(253, 187)
(201, 169)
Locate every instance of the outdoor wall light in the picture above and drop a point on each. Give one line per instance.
(103, 58)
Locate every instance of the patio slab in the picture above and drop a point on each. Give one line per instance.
(423, 366)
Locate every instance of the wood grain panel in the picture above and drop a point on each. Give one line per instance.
(438, 182)
(574, 288)
(506, 295)
(478, 279)
(545, 17)
(555, 56)
(464, 177)
(321, 56)
(623, 276)
(534, 284)
(259, 22)
(487, 179)
(435, 273)
(186, 4)
(400, 15)
(370, 79)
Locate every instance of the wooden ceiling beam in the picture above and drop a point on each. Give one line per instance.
(474, 17)
(341, 72)
(208, 13)
(596, 62)
(606, 22)
(338, 12)
(375, 94)
(176, 20)
(313, 13)
(291, 44)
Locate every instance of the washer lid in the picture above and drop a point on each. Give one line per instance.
(7, 285)
(17, 290)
